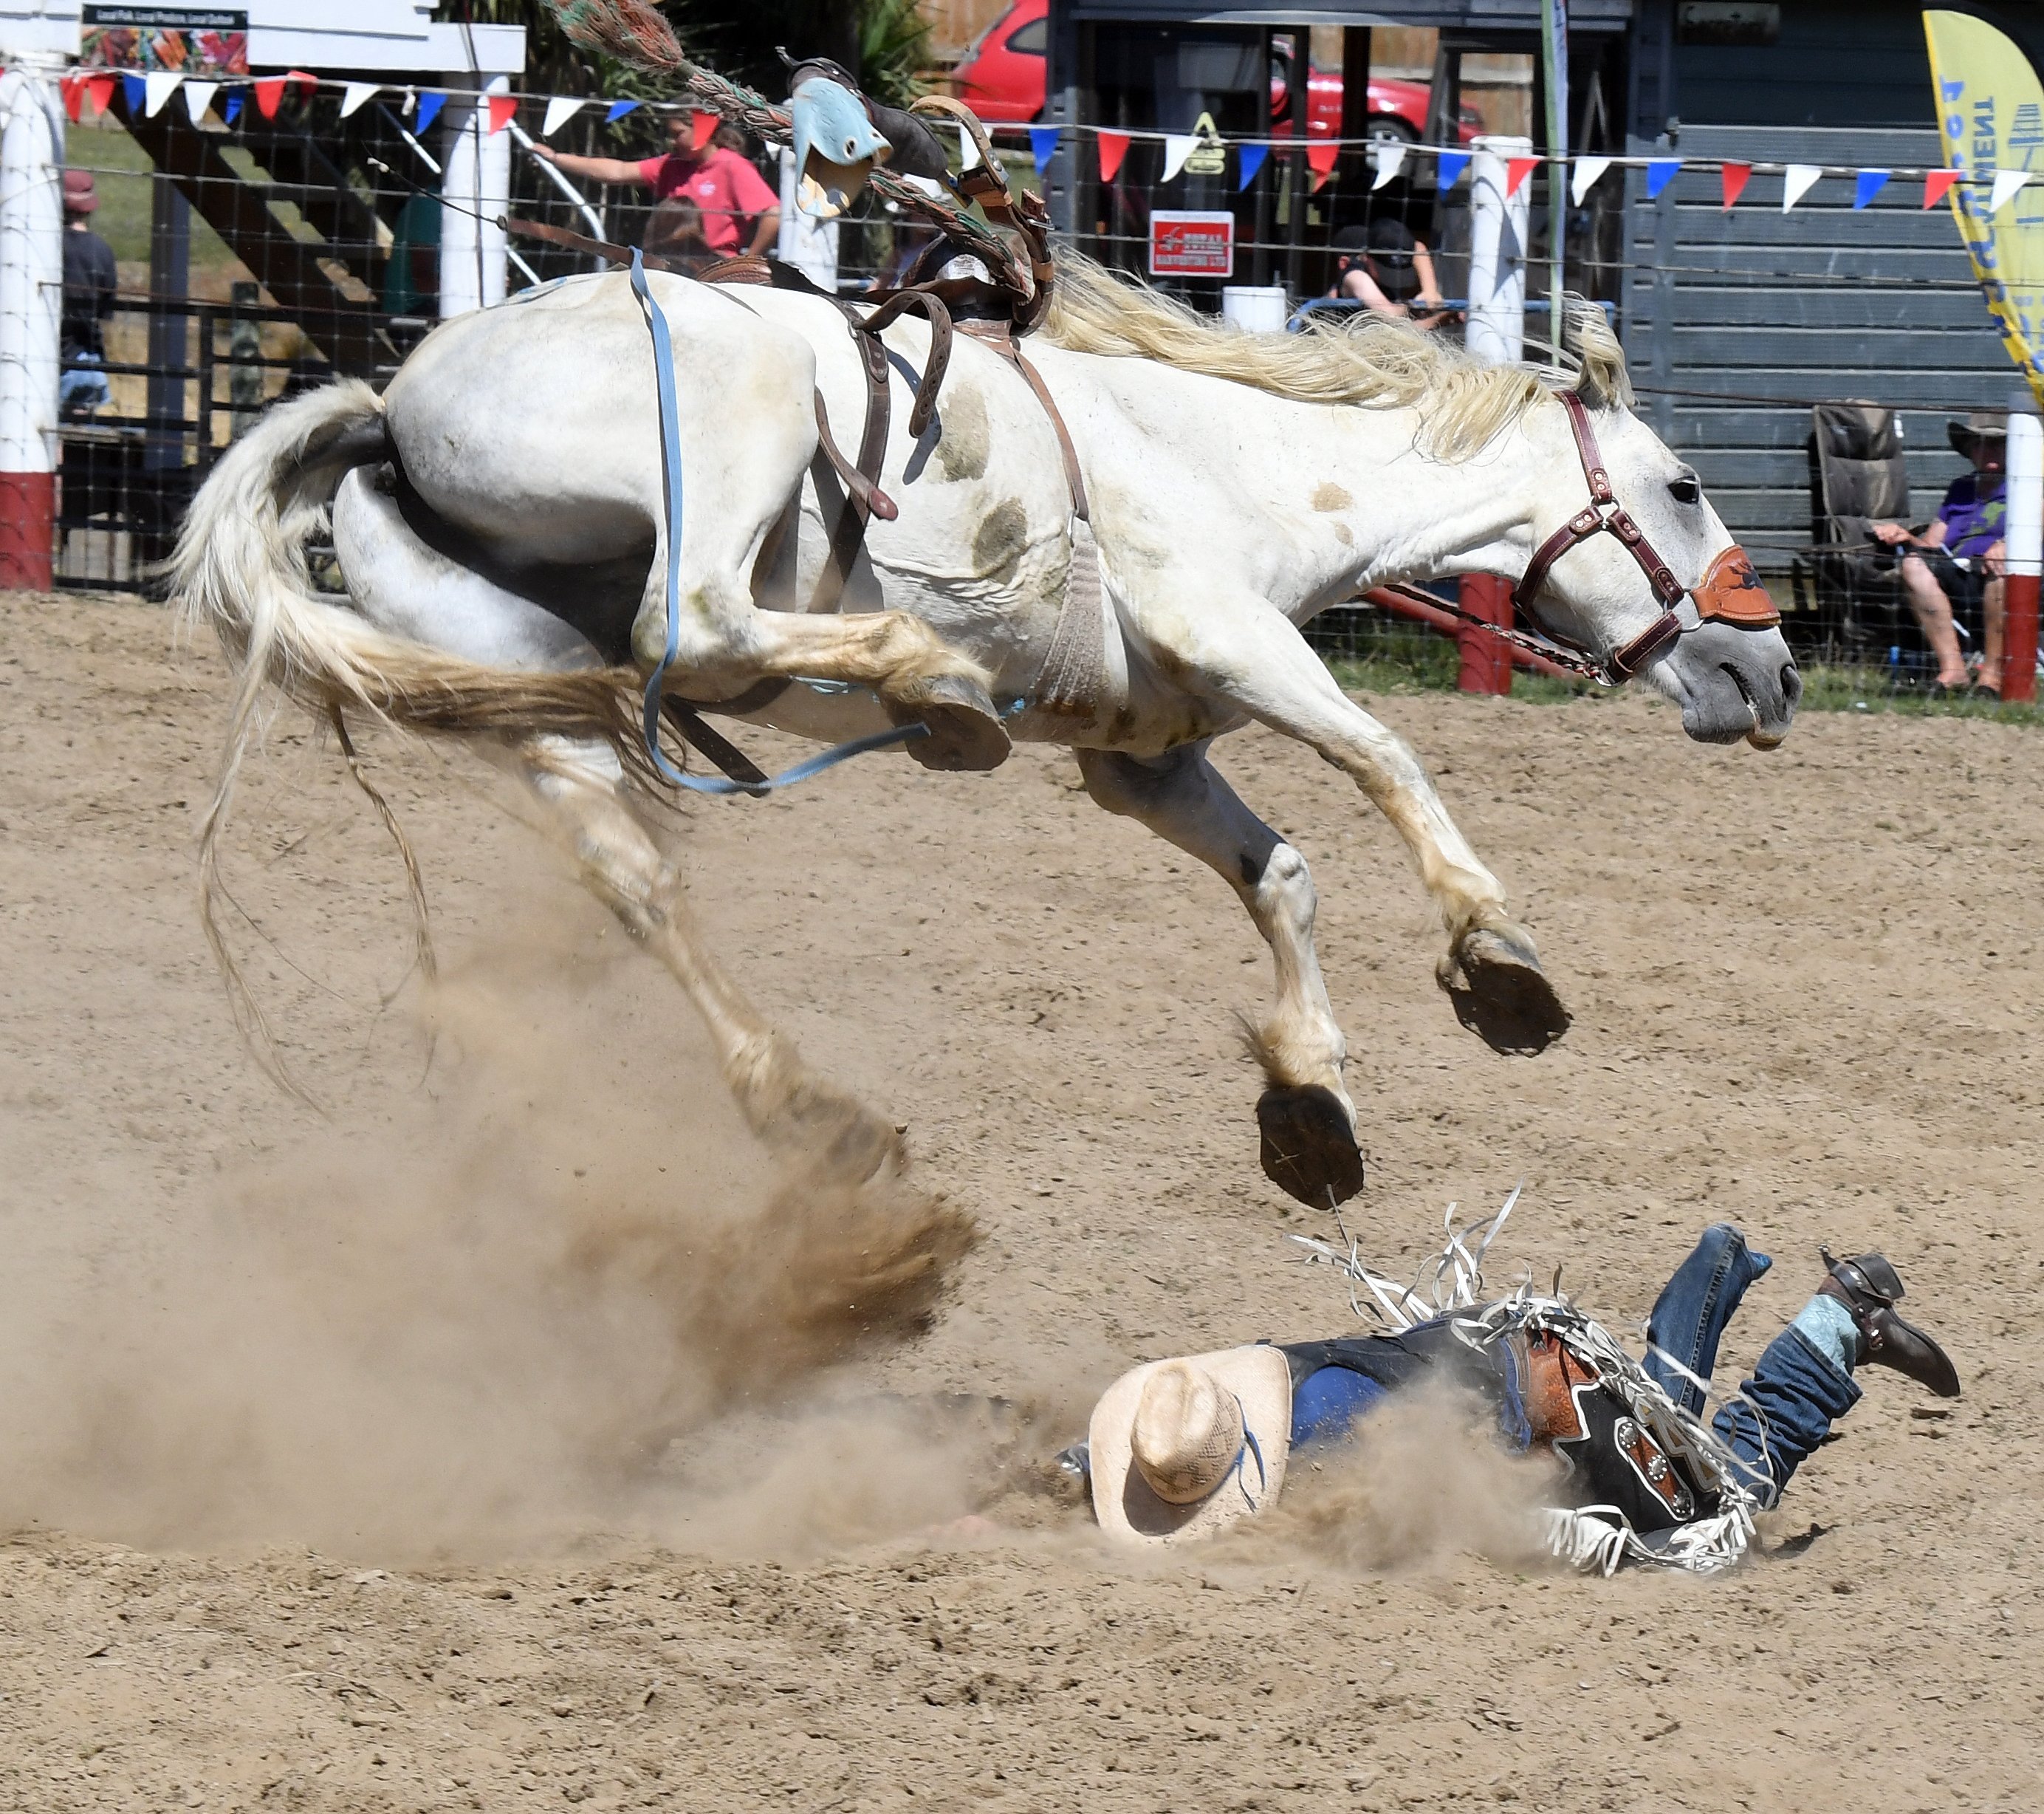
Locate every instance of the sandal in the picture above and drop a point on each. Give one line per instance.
(1979, 690)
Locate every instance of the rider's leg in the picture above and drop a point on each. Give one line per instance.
(1933, 613)
(785, 1103)
(1308, 1121)
(1690, 1315)
(1254, 658)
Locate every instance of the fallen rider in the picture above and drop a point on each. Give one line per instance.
(1179, 1448)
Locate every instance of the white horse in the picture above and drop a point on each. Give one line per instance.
(500, 520)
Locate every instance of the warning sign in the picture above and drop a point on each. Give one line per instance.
(1186, 244)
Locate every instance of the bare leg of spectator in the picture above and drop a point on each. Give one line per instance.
(1933, 613)
(1992, 610)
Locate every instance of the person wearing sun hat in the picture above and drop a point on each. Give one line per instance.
(1955, 565)
(1179, 1449)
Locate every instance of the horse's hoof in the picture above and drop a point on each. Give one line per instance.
(1502, 995)
(1308, 1149)
(965, 732)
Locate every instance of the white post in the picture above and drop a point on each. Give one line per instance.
(475, 188)
(32, 138)
(805, 242)
(2023, 547)
(1497, 254)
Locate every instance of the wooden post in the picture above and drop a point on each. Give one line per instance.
(1486, 660)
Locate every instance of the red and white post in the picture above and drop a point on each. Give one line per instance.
(2023, 548)
(32, 123)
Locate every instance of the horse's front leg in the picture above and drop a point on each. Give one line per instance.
(786, 1104)
(1307, 1119)
(1254, 658)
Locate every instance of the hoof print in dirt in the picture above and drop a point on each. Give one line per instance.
(1502, 995)
(967, 734)
(1308, 1151)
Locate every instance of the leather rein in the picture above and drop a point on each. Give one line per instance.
(1730, 590)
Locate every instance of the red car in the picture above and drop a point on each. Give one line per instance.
(1001, 78)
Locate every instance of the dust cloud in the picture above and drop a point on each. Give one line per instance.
(494, 1317)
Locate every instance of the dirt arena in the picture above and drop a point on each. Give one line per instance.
(452, 1448)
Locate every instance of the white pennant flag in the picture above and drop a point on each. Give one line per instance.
(2006, 183)
(1797, 182)
(1588, 170)
(1178, 147)
(158, 86)
(198, 97)
(1390, 159)
(968, 152)
(352, 96)
(559, 110)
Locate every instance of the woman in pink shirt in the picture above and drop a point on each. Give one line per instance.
(727, 191)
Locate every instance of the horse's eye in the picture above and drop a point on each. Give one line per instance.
(1686, 489)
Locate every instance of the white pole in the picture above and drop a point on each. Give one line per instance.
(1497, 254)
(2023, 547)
(475, 188)
(32, 138)
(805, 242)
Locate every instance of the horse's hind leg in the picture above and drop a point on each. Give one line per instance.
(787, 1105)
(1255, 658)
(1307, 1121)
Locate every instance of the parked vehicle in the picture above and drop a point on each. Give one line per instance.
(1001, 78)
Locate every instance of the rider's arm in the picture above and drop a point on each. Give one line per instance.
(592, 169)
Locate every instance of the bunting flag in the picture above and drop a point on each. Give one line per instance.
(1868, 184)
(1390, 159)
(1659, 173)
(1732, 179)
(269, 91)
(1252, 161)
(1178, 147)
(99, 89)
(1516, 171)
(198, 98)
(1588, 170)
(72, 88)
(503, 107)
(231, 111)
(968, 149)
(1448, 168)
(1113, 148)
(1797, 180)
(560, 109)
(2006, 183)
(702, 128)
(134, 93)
(618, 111)
(1042, 146)
(1321, 156)
(354, 94)
(430, 104)
(1936, 182)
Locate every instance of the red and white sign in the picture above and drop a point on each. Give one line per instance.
(1184, 244)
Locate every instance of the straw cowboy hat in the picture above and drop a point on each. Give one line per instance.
(1981, 425)
(1181, 1447)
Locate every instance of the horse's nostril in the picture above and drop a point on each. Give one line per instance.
(1791, 684)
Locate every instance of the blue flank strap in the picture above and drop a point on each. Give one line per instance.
(670, 463)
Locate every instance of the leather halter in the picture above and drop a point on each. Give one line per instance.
(1730, 590)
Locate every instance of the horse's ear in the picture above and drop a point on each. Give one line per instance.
(1589, 345)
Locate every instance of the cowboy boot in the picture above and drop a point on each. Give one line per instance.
(1868, 1287)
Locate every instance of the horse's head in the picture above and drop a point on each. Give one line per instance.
(1631, 563)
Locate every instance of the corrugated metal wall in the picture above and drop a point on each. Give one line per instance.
(1756, 304)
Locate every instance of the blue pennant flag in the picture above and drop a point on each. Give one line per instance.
(618, 111)
(1869, 184)
(430, 105)
(233, 109)
(1451, 166)
(135, 91)
(1659, 173)
(1252, 161)
(1042, 146)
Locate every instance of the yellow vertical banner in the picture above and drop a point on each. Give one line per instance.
(1990, 116)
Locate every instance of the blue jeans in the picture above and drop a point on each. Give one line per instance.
(1795, 1393)
(83, 384)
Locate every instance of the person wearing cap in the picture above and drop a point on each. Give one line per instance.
(1385, 268)
(725, 190)
(90, 278)
(1956, 563)
(1178, 1449)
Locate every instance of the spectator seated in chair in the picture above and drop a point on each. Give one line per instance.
(1956, 563)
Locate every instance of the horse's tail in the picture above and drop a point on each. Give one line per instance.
(240, 566)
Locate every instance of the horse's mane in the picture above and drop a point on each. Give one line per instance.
(1376, 364)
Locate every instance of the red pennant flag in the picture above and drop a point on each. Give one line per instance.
(1516, 171)
(700, 128)
(73, 86)
(269, 91)
(1321, 154)
(100, 90)
(502, 108)
(1935, 183)
(1732, 180)
(1113, 148)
